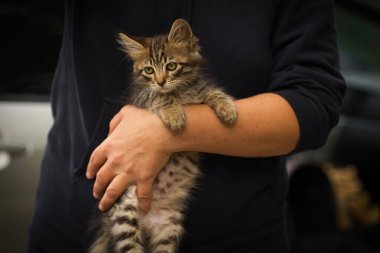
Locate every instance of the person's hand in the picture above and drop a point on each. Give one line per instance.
(134, 152)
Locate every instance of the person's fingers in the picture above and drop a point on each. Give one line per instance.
(103, 178)
(97, 160)
(115, 189)
(114, 122)
(144, 195)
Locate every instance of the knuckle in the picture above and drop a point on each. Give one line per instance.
(101, 179)
(144, 199)
(98, 150)
(146, 177)
(107, 145)
(127, 169)
(100, 175)
(144, 195)
(112, 193)
(116, 160)
(125, 109)
(111, 124)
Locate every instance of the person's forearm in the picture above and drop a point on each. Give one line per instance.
(266, 126)
(139, 145)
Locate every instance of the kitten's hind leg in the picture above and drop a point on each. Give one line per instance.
(124, 224)
(165, 227)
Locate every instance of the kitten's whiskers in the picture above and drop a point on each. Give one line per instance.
(143, 93)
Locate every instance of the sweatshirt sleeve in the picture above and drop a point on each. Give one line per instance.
(306, 67)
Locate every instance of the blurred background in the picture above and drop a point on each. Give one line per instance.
(334, 193)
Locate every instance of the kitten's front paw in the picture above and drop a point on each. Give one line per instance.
(174, 118)
(227, 112)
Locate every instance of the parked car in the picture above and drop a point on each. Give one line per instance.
(29, 45)
(29, 48)
(334, 194)
(356, 139)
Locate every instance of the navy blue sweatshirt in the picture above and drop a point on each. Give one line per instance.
(286, 47)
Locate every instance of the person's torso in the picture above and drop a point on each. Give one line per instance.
(236, 195)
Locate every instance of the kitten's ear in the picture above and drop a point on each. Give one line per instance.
(132, 47)
(180, 32)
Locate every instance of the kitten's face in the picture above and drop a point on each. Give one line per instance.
(164, 63)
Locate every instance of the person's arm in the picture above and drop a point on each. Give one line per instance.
(139, 145)
(297, 112)
(266, 126)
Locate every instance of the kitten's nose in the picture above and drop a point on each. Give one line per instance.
(161, 83)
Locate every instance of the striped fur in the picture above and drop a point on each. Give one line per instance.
(163, 89)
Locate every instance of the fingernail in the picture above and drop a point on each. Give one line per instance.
(101, 208)
(95, 195)
(88, 175)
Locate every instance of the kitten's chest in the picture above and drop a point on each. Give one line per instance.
(191, 98)
(193, 95)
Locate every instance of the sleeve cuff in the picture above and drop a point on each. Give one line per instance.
(309, 120)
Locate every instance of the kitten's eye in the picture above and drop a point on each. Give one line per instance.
(171, 66)
(148, 70)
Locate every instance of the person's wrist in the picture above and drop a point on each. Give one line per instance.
(171, 142)
(164, 139)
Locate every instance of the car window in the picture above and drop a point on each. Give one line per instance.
(359, 40)
(30, 40)
(359, 36)
(358, 28)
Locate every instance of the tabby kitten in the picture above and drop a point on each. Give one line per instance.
(167, 75)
